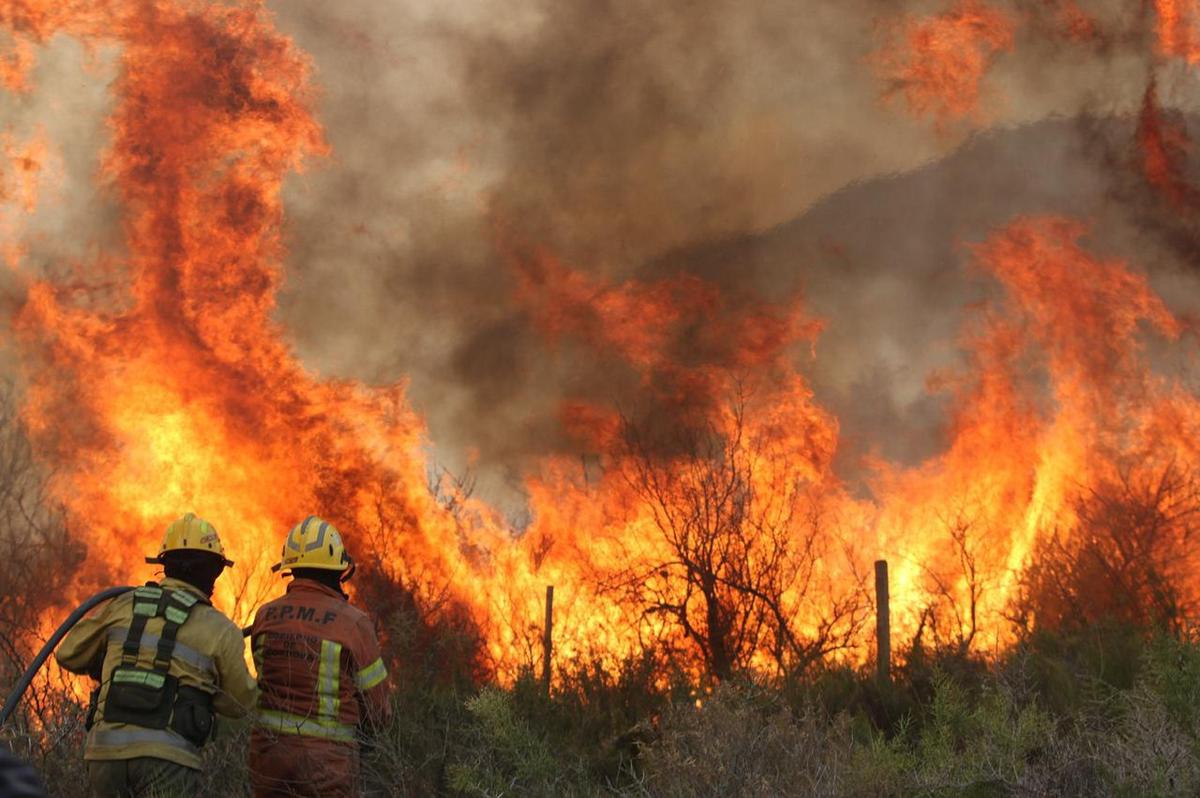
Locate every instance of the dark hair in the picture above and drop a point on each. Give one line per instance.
(199, 569)
(326, 577)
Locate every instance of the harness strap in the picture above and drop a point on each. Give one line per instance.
(153, 601)
(178, 607)
(147, 604)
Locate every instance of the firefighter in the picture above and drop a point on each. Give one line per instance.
(166, 661)
(320, 673)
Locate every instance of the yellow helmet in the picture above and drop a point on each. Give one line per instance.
(313, 543)
(189, 533)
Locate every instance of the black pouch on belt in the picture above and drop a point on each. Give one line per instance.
(140, 696)
(193, 718)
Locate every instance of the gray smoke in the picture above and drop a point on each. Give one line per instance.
(742, 141)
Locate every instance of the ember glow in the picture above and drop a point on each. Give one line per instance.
(158, 381)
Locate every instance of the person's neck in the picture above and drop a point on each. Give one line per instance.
(203, 590)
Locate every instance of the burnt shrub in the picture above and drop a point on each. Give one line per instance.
(743, 740)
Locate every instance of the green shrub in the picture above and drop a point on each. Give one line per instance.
(501, 755)
(978, 746)
(1050, 718)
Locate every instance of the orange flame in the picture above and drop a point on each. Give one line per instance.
(938, 63)
(179, 393)
(1179, 29)
(1164, 146)
(1058, 392)
(159, 383)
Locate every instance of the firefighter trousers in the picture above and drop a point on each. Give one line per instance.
(285, 766)
(143, 777)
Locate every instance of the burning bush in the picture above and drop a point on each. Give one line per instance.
(743, 535)
(1130, 557)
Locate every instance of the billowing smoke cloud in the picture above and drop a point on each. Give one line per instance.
(605, 135)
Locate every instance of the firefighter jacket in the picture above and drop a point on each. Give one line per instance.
(319, 667)
(208, 655)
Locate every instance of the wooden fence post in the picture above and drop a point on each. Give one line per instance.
(548, 639)
(883, 627)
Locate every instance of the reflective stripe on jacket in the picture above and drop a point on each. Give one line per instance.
(209, 655)
(319, 666)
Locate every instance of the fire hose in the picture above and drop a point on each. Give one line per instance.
(14, 697)
(22, 685)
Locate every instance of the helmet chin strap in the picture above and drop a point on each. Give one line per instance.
(348, 574)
